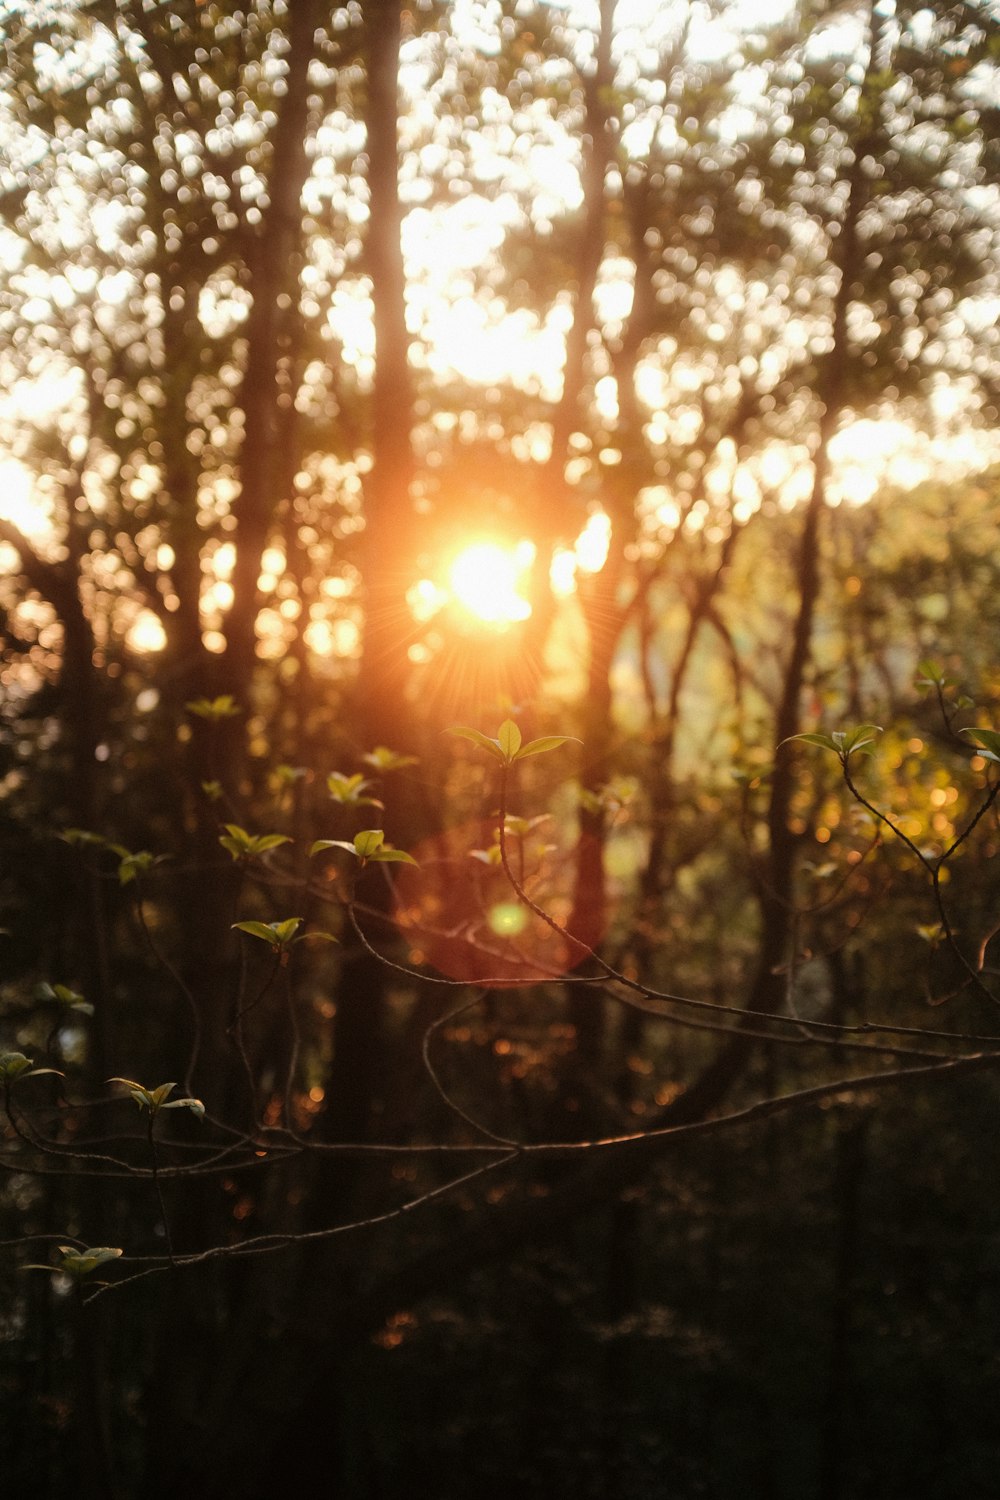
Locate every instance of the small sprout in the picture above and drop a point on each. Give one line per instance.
(212, 790)
(932, 933)
(987, 743)
(78, 1263)
(491, 856)
(278, 934)
(156, 1099)
(63, 995)
(14, 1065)
(932, 675)
(384, 759)
(613, 796)
(508, 747)
(82, 1262)
(281, 936)
(79, 838)
(368, 846)
(843, 742)
(519, 828)
(287, 776)
(214, 709)
(131, 866)
(242, 845)
(350, 791)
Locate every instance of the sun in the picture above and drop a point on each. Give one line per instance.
(487, 579)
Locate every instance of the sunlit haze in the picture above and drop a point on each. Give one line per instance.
(486, 580)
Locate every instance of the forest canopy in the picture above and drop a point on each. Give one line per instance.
(498, 592)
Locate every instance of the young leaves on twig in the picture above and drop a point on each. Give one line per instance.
(242, 845)
(508, 747)
(282, 936)
(383, 759)
(159, 1098)
(79, 1263)
(214, 709)
(61, 994)
(843, 742)
(14, 1065)
(350, 791)
(369, 846)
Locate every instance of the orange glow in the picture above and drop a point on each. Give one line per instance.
(486, 579)
(593, 543)
(461, 916)
(147, 634)
(19, 505)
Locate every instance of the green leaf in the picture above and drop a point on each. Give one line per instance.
(490, 856)
(321, 844)
(286, 929)
(860, 738)
(194, 1105)
(546, 743)
(82, 1262)
(243, 845)
(509, 739)
(263, 930)
(61, 994)
(350, 790)
(214, 709)
(519, 828)
(843, 742)
(237, 834)
(132, 866)
(930, 674)
(82, 837)
(368, 842)
(988, 741)
(212, 790)
(142, 1096)
(264, 842)
(286, 776)
(152, 1099)
(14, 1065)
(822, 740)
(384, 759)
(389, 856)
(492, 747)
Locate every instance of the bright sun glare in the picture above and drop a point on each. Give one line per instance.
(487, 579)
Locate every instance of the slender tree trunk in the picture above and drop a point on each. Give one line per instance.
(274, 269)
(776, 891)
(391, 531)
(389, 551)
